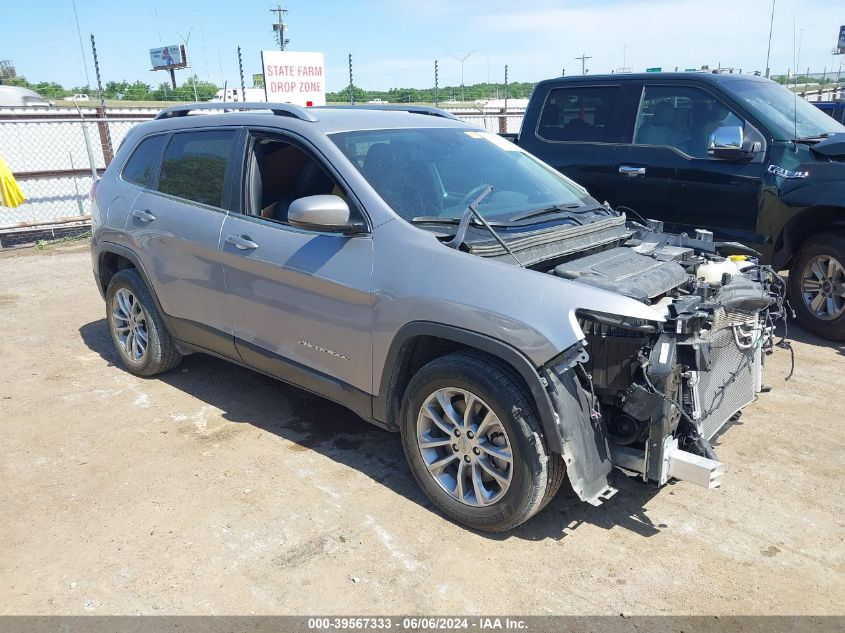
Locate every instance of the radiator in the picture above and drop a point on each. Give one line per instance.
(734, 376)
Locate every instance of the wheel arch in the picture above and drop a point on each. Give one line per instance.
(808, 222)
(419, 342)
(112, 258)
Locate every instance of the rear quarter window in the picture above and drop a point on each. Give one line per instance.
(578, 113)
(140, 166)
(194, 166)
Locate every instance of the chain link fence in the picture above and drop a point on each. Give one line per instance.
(55, 157)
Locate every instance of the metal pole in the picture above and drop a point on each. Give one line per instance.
(97, 72)
(241, 69)
(108, 153)
(436, 87)
(351, 95)
(769, 51)
(506, 89)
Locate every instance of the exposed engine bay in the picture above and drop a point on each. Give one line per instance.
(646, 396)
(660, 392)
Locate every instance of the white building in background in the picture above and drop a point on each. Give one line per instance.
(234, 94)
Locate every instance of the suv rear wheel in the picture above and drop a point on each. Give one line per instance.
(143, 342)
(817, 285)
(475, 445)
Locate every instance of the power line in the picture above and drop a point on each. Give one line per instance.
(81, 45)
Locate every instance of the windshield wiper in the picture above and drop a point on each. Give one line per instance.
(433, 219)
(565, 209)
(472, 210)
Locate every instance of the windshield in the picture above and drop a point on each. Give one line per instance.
(786, 116)
(437, 172)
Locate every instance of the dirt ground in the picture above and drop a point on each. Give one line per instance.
(214, 490)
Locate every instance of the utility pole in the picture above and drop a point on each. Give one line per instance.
(769, 52)
(280, 26)
(584, 57)
(462, 60)
(351, 95)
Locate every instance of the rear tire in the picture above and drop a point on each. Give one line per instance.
(137, 330)
(817, 285)
(502, 458)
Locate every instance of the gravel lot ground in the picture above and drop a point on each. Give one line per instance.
(214, 490)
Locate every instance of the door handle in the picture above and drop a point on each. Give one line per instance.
(631, 171)
(242, 242)
(143, 215)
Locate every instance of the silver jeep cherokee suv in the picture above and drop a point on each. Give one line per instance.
(437, 280)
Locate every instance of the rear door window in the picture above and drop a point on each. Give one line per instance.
(194, 166)
(140, 166)
(579, 113)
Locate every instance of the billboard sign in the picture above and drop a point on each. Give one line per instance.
(842, 39)
(294, 77)
(167, 57)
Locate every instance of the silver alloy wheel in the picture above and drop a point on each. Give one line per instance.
(464, 446)
(823, 287)
(130, 325)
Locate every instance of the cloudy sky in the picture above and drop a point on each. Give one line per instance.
(394, 43)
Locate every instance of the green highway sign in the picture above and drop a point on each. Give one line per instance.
(690, 70)
(654, 70)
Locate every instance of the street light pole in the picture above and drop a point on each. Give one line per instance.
(462, 60)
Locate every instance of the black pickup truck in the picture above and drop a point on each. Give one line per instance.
(737, 155)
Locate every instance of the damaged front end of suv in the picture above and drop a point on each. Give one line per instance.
(657, 392)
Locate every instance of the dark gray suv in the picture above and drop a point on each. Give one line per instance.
(439, 281)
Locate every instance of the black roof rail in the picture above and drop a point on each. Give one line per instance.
(279, 109)
(413, 109)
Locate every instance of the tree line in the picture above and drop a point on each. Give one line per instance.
(205, 90)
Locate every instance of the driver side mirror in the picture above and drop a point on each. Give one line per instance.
(321, 213)
(728, 143)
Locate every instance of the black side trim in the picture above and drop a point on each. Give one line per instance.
(299, 375)
(513, 357)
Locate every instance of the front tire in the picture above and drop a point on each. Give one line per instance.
(817, 285)
(137, 330)
(475, 444)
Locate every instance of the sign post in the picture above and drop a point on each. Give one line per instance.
(294, 77)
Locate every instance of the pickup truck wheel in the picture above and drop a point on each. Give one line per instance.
(137, 330)
(475, 445)
(817, 286)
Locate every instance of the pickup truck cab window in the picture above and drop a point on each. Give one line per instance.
(581, 114)
(681, 117)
